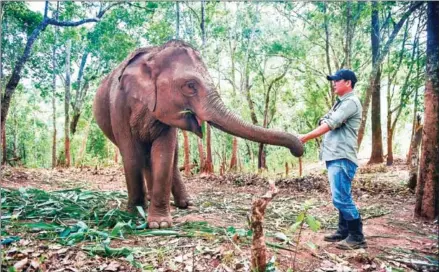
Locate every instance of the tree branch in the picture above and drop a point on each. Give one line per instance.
(51, 21)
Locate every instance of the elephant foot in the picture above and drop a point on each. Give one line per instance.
(132, 207)
(159, 222)
(181, 198)
(183, 203)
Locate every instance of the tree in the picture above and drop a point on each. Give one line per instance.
(427, 190)
(377, 142)
(15, 77)
(411, 82)
(376, 66)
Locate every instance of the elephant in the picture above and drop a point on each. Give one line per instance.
(140, 105)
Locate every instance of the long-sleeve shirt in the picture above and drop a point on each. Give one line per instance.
(344, 120)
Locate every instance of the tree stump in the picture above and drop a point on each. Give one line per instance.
(258, 248)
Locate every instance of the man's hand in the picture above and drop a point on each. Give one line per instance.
(303, 138)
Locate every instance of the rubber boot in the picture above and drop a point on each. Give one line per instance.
(355, 239)
(341, 233)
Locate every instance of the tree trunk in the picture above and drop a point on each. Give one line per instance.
(116, 153)
(2, 128)
(287, 170)
(427, 190)
(201, 154)
(67, 106)
(16, 74)
(187, 170)
(54, 90)
(389, 160)
(328, 57)
(4, 155)
(414, 125)
(208, 166)
(234, 159)
(83, 145)
(81, 92)
(177, 25)
(261, 157)
(414, 161)
(377, 141)
(416, 116)
(349, 35)
(202, 24)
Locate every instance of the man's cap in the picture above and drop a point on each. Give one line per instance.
(343, 74)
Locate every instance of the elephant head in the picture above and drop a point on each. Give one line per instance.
(175, 86)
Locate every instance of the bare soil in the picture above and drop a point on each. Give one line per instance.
(396, 240)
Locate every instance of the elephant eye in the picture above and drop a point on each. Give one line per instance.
(191, 85)
(190, 89)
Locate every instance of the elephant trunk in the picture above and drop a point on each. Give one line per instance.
(219, 116)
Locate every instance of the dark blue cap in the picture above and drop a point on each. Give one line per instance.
(344, 74)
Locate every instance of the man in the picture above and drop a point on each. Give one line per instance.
(339, 150)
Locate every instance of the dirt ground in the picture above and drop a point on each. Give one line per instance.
(396, 240)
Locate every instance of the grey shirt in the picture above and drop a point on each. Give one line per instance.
(344, 120)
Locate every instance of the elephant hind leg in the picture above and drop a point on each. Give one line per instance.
(181, 197)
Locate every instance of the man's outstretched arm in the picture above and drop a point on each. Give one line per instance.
(320, 130)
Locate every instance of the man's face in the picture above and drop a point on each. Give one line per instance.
(341, 86)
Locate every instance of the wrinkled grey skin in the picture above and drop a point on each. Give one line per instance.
(139, 107)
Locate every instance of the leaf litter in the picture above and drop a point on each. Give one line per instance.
(87, 229)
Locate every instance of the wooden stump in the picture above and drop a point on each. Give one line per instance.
(258, 248)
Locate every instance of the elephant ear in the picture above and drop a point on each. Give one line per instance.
(139, 80)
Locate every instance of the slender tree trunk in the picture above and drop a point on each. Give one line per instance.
(116, 153)
(12, 83)
(415, 118)
(427, 190)
(2, 128)
(187, 169)
(261, 157)
(54, 91)
(414, 160)
(67, 106)
(208, 166)
(377, 141)
(349, 34)
(328, 57)
(201, 154)
(202, 24)
(81, 92)
(177, 25)
(234, 158)
(4, 156)
(83, 145)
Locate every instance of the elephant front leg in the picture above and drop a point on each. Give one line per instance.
(181, 197)
(162, 161)
(135, 183)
